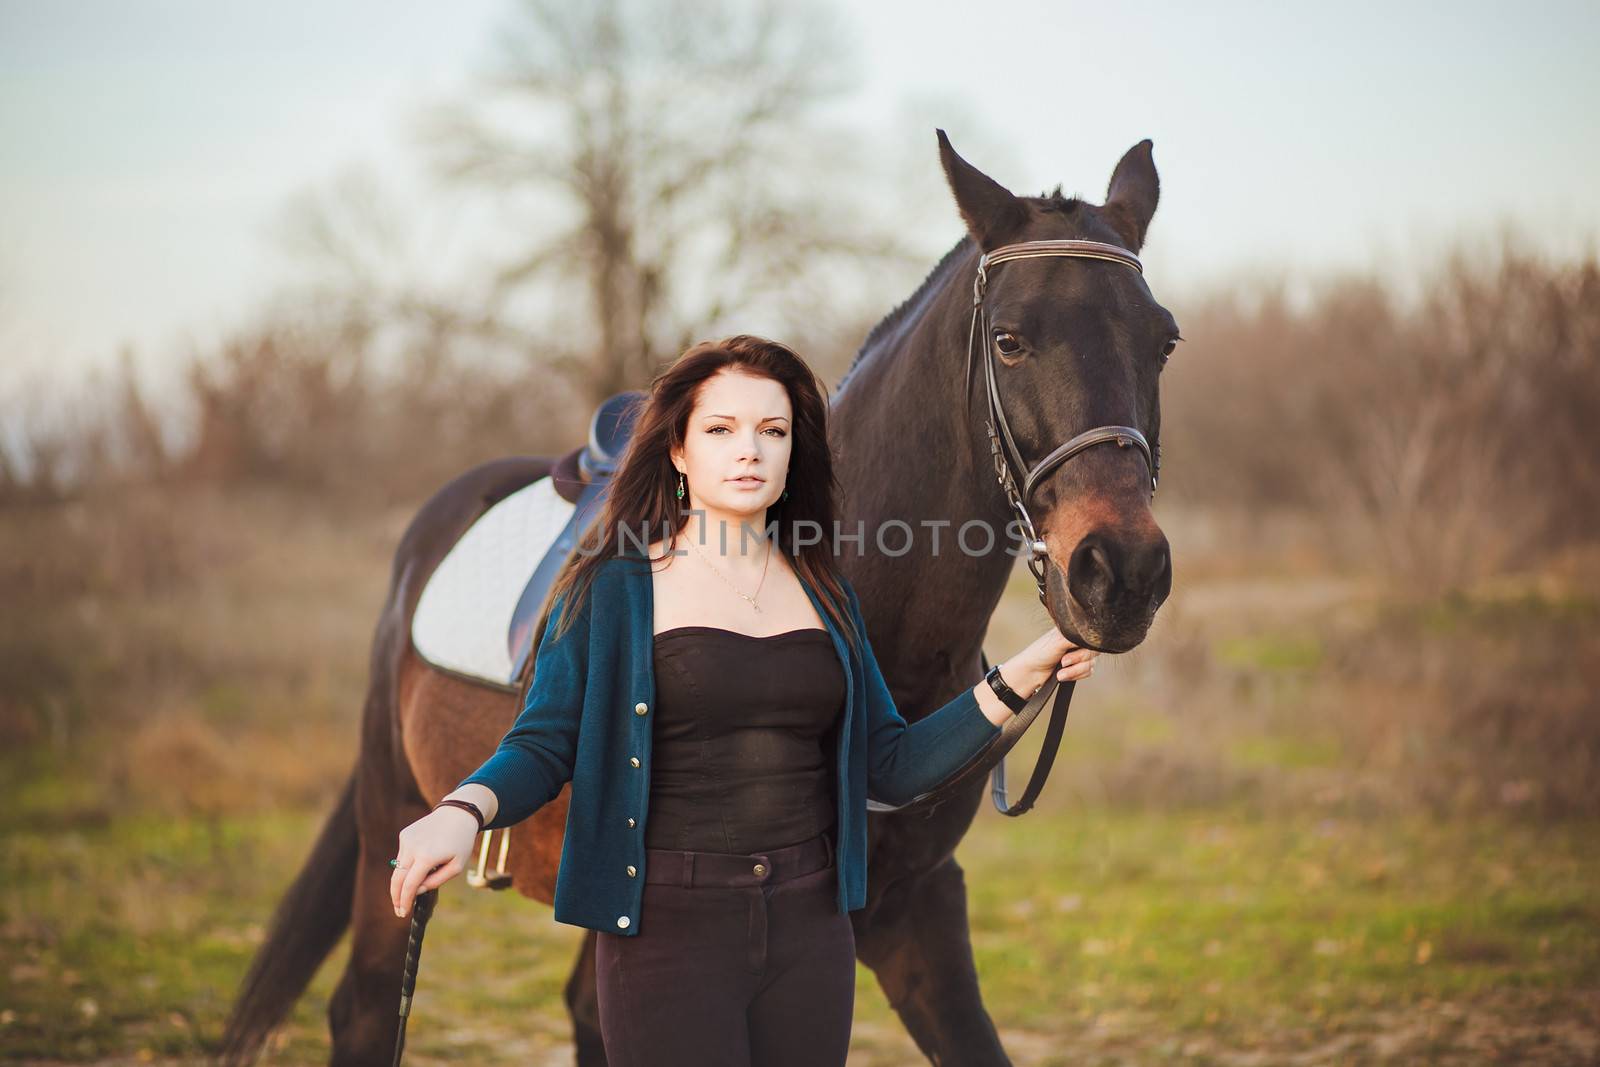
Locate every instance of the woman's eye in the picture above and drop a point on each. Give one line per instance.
(769, 429)
(1006, 343)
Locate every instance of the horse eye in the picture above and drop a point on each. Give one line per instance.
(1167, 350)
(1007, 343)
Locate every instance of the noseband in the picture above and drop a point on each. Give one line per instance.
(1015, 477)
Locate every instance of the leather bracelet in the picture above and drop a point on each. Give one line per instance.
(464, 805)
(1008, 696)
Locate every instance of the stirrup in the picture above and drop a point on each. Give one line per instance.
(499, 878)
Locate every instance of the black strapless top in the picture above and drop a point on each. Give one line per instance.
(743, 739)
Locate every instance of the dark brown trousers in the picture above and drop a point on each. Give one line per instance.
(740, 961)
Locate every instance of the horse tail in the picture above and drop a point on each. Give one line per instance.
(310, 920)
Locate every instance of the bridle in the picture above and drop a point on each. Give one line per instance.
(1019, 481)
(1016, 479)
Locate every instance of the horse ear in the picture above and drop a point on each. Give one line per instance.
(1131, 197)
(991, 213)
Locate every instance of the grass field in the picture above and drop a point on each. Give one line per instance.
(1101, 936)
(1299, 827)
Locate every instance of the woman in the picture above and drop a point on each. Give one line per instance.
(719, 681)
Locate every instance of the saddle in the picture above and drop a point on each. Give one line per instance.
(581, 476)
(479, 613)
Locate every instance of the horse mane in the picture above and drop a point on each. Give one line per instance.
(891, 320)
(1050, 201)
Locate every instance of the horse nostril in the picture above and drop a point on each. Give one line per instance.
(1090, 573)
(1149, 569)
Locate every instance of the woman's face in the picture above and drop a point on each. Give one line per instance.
(739, 429)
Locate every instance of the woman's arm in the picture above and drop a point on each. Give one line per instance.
(905, 760)
(535, 757)
(479, 794)
(1022, 676)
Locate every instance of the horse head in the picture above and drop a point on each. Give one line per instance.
(1077, 342)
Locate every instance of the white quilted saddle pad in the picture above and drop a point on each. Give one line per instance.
(465, 609)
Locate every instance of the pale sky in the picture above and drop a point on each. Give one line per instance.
(148, 149)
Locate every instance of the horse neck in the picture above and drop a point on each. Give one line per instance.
(912, 447)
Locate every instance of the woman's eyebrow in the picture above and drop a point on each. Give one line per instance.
(769, 418)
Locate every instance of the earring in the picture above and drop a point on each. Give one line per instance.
(680, 485)
(785, 495)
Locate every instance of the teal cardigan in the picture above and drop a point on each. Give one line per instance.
(587, 718)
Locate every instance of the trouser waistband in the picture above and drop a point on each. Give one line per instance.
(728, 870)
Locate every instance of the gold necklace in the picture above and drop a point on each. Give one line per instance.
(725, 578)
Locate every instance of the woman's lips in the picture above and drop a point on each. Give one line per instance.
(748, 483)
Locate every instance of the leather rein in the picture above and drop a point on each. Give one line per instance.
(1018, 481)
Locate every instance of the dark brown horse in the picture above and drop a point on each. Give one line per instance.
(1077, 343)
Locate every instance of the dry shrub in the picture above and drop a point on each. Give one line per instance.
(1439, 439)
(145, 597)
(65, 569)
(1305, 691)
(177, 763)
(327, 401)
(180, 763)
(318, 404)
(1466, 703)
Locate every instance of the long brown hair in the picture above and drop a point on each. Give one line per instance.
(642, 496)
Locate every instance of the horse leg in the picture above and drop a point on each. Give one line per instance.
(919, 947)
(584, 1007)
(364, 1012)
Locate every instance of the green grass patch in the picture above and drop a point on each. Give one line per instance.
(1272, 651)
(1503, 611)
(1285, 752)
(1213, 923)
(128, 939)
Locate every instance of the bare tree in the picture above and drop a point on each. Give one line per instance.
(677, 150)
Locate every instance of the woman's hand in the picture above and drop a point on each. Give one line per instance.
(1051, 651)
(433, 850)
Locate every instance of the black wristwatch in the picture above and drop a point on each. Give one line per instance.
(1008, 696)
